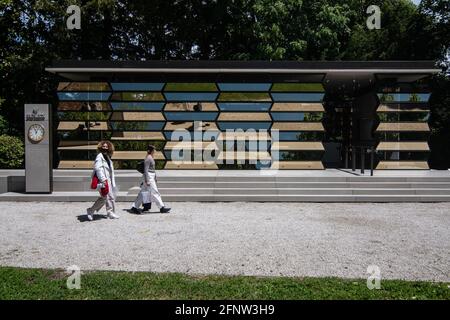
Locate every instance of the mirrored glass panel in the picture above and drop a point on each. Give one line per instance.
(190, 87)
(76, 116)
(404, 97)
(233, 106)
(137, 96)
(84, 96)
(300, 155)
(403, 155)
(133, 145)
(244, 96)
(297, 87)
(244, 86)
(83, 86)
(300, 136)
(190, 96)
(83, 106)
(298, 97)
(191, 116)
(244, 125)
(136, 86)
(137, 126)
(404, 116)
(209, 135)
(137, 106)
(297, 116)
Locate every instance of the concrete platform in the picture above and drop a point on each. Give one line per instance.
(248, 185)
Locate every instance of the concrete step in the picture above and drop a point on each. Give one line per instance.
(61, 186)
(124, 197)
(297, 191)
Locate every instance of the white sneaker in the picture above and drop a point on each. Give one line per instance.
(89, 215)
(112, 215)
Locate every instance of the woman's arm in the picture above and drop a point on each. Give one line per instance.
(98, 168)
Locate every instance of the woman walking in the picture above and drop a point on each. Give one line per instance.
(148, 186)
(104, 170)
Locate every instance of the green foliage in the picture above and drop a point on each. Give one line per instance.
(11, 152)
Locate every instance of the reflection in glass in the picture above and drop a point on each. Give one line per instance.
(191, 116)
(298, 97)
(404, 116)
(77, 116)
(190, 87)
(244, 125)
(137, 125)
(137, 96)
(137, 106)
(136, 86)
(233, 106)
(244, 86)
(83, 106)
(298, 87)
(300, 155)
(83, 96)
(83, 86)
(300, 136)
(190, 96)
(244, 96)
(403, 97)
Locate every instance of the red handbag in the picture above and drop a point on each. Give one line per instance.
(94, 182)
(105, 190)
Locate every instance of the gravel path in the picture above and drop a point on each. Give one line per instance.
(406, 240)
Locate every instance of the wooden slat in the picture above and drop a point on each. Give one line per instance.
(170, 126)
(300, 165)
(403, 126)
(295, 106)
(137, 135)
(137, 116)
(189, 106)
(403, 146)
(398, 165)
(244, 116)
(294, 145)
(79, 147)
(73, 125)
(190, 165)
(298, 126)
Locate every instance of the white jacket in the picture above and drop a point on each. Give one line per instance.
(103, 171)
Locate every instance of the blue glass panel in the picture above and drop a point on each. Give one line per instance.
(210, 135)
(230, 106)
(84, 96)
(191, 96)
(137, 125)
(404, 97)
(137, 106)
(298, 97)
(288, 116)
(244, 125)
(135, 86)
(244, 86)
(191, 116)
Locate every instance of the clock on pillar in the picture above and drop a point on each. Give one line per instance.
(38, 149)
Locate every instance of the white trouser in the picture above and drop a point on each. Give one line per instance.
(151, 189)
(109, 200)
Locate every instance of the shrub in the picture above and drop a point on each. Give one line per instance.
(11, 152)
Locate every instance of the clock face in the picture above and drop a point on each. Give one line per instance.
(36, 133)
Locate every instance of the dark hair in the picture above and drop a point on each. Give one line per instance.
(150, 148)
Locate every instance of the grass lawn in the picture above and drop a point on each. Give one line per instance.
(17, 283)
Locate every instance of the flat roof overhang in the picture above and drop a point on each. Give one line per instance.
(223, 70)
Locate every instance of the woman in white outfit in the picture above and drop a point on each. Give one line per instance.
(148, 185)
(104, 169)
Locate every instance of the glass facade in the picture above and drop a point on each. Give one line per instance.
(227, 125)
(403, 130)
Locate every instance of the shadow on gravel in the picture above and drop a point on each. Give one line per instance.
(141, 213)
(83, 217)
